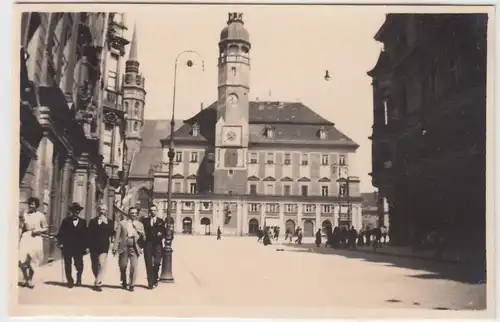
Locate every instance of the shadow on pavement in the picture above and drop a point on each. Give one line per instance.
(470, 273)
(117, 287)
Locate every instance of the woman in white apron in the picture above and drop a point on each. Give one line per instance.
(32, 225)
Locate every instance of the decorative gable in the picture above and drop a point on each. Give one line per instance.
(324, 179)
(253, 178)
(304, 179)
(269, 179)
(287, 179)
(191, 176)
(177, 176)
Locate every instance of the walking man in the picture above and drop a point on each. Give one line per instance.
(100, 231)
(72, 240)
(154, 231)
(129, 237)
(219, 233)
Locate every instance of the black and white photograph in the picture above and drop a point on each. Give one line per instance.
(253, 160)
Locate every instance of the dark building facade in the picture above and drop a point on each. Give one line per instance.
(66, 113)
(429, 130)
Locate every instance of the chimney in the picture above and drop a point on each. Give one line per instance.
(201, 106)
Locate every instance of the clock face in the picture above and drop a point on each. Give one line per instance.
(231, 135)
(232, 100)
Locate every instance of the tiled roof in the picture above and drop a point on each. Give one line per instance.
(293, 122)
(150, 152)
(284, 112)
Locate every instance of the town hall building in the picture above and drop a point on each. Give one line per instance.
(241, 164)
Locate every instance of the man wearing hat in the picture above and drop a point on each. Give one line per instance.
(72, 240)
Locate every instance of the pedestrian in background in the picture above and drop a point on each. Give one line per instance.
(219, 233)
(318, 238)
(128, 242)
(100, 231)
(32, 225)
(72, 240)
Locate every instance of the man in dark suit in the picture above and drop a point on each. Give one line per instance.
(100, 231)
(72, 239)
(154, 233)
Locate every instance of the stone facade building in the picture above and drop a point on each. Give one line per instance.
(72, 124)
(240, 164)
(429, 131)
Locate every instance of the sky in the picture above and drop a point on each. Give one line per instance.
(291, 47)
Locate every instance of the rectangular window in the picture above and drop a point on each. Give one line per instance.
(324, 191)
(178, 156)
(188, 205)
(177, 187)
(206, 206)
(342, 189)
(290, 208)
(270, 158)
(210, 187)
(287, 159)
(174, 205)
(308, 208)
(254, 207)
(286, 190)
(111, 81)
(253, 157)
(269, 189)
(326, 209)
(194, 157)
(253, 189)
(324, 159)
(304, 190)
(272, 207)
(304, 159)
(341, 159)
(192, 188)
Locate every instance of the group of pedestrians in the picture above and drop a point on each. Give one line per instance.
(128, 239)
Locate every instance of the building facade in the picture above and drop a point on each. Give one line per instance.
(429, 131)
(242, 164)
(70, 125)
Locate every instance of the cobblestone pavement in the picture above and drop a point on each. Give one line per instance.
(238, 271)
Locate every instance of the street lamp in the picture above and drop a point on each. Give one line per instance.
(166, 269)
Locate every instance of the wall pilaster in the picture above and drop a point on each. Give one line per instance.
(91, 210)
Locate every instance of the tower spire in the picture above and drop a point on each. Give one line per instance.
(132, 64)
(133, 46)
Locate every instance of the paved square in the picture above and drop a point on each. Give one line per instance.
(238, 271)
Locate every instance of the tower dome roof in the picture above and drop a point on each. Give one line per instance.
(235, 29)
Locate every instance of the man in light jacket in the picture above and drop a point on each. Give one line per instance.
(128, 244)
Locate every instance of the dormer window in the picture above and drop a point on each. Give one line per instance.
(322, 133)
(196, 130)
(269, 132)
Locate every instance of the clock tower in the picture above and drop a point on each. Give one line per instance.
(231, 138)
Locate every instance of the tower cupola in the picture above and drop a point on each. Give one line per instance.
(235, 30)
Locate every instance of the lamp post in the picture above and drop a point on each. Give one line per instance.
(166, 269)
(346, 195)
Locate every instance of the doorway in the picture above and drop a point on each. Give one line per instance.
(290, 226)
(308, 228)
(253, 227)
(187, 225)
(326, 226)
(206, 222)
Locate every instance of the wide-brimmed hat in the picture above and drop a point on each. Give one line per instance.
(75, 206)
